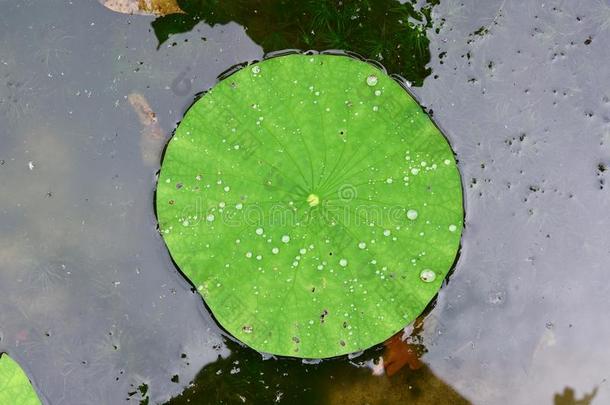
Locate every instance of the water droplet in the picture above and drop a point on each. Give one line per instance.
(452, 228)
(378, 93)
(275, 250)
(259, 231)
(389, 180)
(249, 255)
(375, 108)
(239, 206)
(372, 80)
(447, 161)
(427, 276)
(414, 171)
(210, 218)
(362, 245)
(256, 70)
(387, 232)
(412, 215)
(343, 262)
(285, 238)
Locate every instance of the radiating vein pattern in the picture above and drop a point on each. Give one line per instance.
(312, 203)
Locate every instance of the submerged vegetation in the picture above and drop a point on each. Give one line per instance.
(383, 30)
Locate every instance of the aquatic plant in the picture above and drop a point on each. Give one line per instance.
(15, 387)
(312, 203)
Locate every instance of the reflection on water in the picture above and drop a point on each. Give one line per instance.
(389, 31)
(568, 397)
(92, 307)
(248, 377)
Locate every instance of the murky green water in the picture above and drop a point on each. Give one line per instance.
(92, 306)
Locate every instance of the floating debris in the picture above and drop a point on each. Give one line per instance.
(152, 136)
(143, 7)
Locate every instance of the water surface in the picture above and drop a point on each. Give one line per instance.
(93, 308)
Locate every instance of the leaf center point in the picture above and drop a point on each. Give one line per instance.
(313, 200)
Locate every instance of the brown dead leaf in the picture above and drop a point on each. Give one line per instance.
(143, 7)
(399, 353)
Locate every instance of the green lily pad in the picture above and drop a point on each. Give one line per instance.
(313, 204)
(15, 387)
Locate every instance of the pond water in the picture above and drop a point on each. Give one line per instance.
(95, 311)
